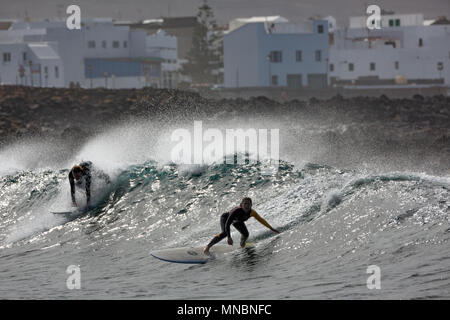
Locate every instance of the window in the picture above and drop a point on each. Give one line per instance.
(115, 44)
(397, 22)
(331, 67)
(372, 66)
(46, 71)
(420, 42)
(440, 66)
(6, 56)
(24, 56)
(320, 28)
(298, 55)
(318, 55)
(56, 72)
(125, 44)
(275, 56)
(390, 43)
(91, 44)
(351, 67)
(391, 22)
(396, 65)
(274, 80)
(103, 44)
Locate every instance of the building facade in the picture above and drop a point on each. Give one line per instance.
(164, 46)
(403, 52)
(276, 54)
(98, 54)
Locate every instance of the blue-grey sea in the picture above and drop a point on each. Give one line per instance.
(365, 231)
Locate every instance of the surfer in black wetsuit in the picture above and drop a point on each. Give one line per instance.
(79, 174)
(237, 217)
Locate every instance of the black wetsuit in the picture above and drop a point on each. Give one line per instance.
(86, 175)
(235, 217)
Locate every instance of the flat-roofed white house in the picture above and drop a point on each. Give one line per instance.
(100, 54)
(163, 45)
(28, 63)
(272, 52)
(406, 51)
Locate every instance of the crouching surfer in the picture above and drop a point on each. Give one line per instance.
(81, 175)
(237, 217)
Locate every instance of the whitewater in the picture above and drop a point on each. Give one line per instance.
(335, 221)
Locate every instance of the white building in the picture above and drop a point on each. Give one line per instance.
(99, 54)
(271, 52)
(390, 20)
(402, 52)
(268, 21)
(28, 63)
(332, 23)
(163, 45)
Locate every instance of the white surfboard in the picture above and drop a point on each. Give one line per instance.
(192, 254)
(68, 211)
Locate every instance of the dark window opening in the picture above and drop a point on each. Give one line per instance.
(275, 56)
(298, 56)
(318, 55)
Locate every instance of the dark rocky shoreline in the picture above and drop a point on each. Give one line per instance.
(420, 123)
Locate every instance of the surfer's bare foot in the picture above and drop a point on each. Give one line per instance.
(206, 251)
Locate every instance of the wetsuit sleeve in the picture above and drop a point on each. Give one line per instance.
(72, 186)
(260, 219)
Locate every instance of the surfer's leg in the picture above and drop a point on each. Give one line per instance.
(220, 236)
(240, 226)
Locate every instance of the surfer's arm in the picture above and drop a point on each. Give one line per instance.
(72, 187)
(88, 188)
(229, 222)
(262, 221)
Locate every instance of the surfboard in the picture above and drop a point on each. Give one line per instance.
(68, 212)
(193, 254)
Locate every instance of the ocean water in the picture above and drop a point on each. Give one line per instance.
(336, 224)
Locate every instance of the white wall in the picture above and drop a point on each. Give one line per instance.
(108, 33)
(414, 62)
(164, 46)
(405, 20)
(241, 63)
(9, 70)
